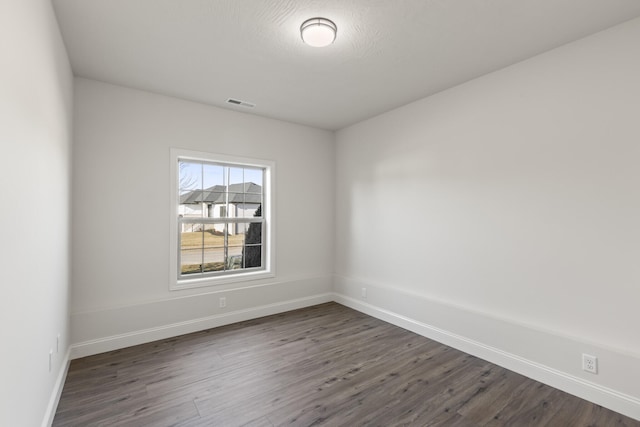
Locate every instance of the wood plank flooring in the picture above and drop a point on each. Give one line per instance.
(325, 365)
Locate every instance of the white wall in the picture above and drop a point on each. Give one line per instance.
(523, 234)
(35, 138)
(121, 258)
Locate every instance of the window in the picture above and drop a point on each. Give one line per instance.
(221, 225)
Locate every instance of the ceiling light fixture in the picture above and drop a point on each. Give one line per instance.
(318, 32)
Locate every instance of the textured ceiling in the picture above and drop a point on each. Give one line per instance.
(387, 53)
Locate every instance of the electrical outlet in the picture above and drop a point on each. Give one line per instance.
(590, 363)
(364, 293)
(223, 302)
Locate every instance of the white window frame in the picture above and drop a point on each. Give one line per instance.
(178, 283)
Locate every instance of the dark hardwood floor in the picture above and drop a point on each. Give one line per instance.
(324, 365)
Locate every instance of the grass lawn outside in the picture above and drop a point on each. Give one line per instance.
(208, 266)
(192, 240)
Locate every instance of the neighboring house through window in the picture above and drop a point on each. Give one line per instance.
(221, 221)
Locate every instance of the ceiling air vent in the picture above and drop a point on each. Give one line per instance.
(240, 103)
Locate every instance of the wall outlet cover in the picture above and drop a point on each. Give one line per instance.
(590, 363)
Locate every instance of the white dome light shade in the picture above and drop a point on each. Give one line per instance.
(318, 32)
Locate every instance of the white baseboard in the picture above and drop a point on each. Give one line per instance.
(57, 390)
(615, 400)
(119, 341)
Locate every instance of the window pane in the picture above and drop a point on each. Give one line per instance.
(191, 210)
(214, 209)
(192, 229)
(236, 233)
(236, 200)
(191, 241)
(234, 258)
(251, 250)
(253, 234)
(252, 256)
(251, 210)
(209, 196)
(253, 180)
(190, 184)
(236, 179)
(213, 235)
(221, 211)
(213, 178)
(213, 251)
(190, 196)
(190, 176)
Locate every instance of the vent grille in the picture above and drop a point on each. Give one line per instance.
(240, 103)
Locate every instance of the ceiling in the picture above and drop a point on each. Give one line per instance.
(387, 52)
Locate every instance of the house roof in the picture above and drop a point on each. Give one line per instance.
(248, 192)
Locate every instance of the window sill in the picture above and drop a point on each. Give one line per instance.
(203, 282)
